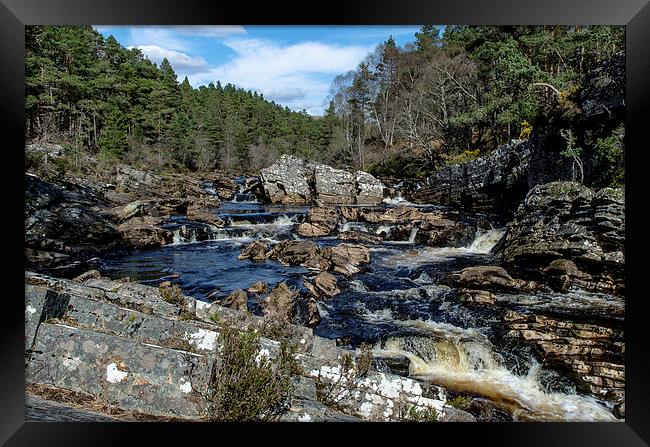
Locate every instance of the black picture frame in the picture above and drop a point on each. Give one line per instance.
(14, 14)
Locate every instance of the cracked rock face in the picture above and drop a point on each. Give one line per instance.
(571, 232)
(291, 180)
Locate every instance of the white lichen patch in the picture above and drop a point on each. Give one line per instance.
(185, 386)
(304, 418)
(30, 309)
(203, 339)
(71, 363)
(114, 374)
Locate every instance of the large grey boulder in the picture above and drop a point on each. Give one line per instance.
(287, 181)
(292, 180)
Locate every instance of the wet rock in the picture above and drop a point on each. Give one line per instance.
(490, 278)
(237, 300)
(201, 215)
(281, 304)
(320, 221)
(593, 351)
(294, 252)
(360, 236)
(66, 220)
(486, 411)
(90, 274)
(256, 251)
(445, 233)
(258, 287)
(347, 258)
(570, 222)
(323, 285)
(395, 364)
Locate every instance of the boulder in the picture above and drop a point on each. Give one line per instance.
(370, 190)
(130, 178)
(320, 221)
(334, 186)
(347, 258)
(287, 181)
(140, 232)
(476, 296)
(256, 251)
(237, 300)
(129, 210)
(293, 252)
(292, 180)
(281, 304)
(488, 277)
(323, 285)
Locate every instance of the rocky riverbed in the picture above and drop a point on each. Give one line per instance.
(475, 313)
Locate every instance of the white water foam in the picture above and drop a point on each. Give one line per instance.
(464, 360)
(487, 240)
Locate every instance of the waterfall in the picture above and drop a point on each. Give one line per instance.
(486, 241)
(414, 232)
(465, 361)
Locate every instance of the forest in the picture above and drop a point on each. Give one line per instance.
(449, 96)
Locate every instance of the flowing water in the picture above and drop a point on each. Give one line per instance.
(397, 304)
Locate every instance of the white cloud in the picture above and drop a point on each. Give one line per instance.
(180, 62)
(291, 74)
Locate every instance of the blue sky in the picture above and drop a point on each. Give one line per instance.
(292, 65)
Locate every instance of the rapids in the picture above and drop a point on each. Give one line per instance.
(397, 305)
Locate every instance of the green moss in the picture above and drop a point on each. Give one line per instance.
(460, 402)
(463, 157)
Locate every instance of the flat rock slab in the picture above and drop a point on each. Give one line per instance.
(131, 375)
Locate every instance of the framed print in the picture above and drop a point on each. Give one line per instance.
(398, 213)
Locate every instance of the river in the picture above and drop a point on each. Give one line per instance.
(396, 305)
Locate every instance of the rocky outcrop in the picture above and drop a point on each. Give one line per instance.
(491, 182)
(343, 258)
(499, 180)
(593, 352)
(122, 345)
(292, 180)
(65, 222)
(570, 234)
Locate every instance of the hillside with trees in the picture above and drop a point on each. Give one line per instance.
(98, 97)
(448, 97)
